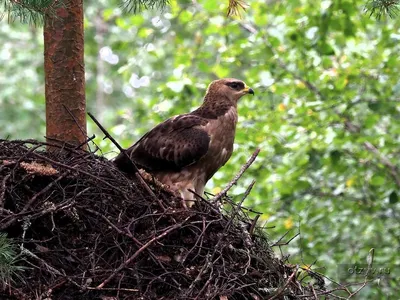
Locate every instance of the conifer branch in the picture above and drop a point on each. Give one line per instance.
(28, 11)
(136, 6)
(8, 258)
(379, 8)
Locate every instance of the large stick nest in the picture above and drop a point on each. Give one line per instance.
(87, 231)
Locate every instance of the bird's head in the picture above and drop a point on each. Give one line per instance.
(230, 88)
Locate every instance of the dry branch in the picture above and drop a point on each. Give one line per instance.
(237, 177)
(122, 150)
(281, 290)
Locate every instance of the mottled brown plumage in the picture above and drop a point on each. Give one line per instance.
(185, 151)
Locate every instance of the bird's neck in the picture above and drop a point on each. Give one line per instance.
(214, 106)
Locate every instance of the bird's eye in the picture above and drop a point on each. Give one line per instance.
(234, 85)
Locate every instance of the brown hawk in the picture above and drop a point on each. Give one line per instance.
(185, 151)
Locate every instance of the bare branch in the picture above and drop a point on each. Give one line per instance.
(135, 168)
(281, 290)
(238, 176)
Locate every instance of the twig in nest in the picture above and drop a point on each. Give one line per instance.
(141, 249)
(47, 294)
(281, 290)
(3, 190)
(314, 293)
(49, 268)
(253, 225)
(248, 190)
(135, 168)
(122, 150)
(56, 143)
(237, 208)
(83, 131)
(89, 139)
(44, 190)
(79, 170)
(30, 151)
(210, 205)
(238, 175)
(279, 243)
(114, 289)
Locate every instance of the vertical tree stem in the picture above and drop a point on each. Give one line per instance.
(65, 74)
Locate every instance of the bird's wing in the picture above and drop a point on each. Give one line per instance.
(171, 145)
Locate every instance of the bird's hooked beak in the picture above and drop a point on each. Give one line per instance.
(248, 90)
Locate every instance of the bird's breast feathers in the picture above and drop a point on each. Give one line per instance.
(222, 135)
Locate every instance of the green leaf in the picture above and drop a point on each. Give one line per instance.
(325, 49)
(377, 180)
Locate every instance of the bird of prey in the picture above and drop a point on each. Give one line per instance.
(185, 151)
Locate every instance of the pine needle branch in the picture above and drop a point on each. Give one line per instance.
(379, 8)
(8, 258)
(137, 6)
(29, 11)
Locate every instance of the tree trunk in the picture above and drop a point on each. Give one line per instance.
(101, 28)
(65, 74)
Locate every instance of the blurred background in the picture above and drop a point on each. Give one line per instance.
(325, 113)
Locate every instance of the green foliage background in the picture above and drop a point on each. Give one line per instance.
(325, 115)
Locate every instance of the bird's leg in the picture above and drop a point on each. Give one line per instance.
(187, 198)
(176, 190)
(151, 179)
(188, 203)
